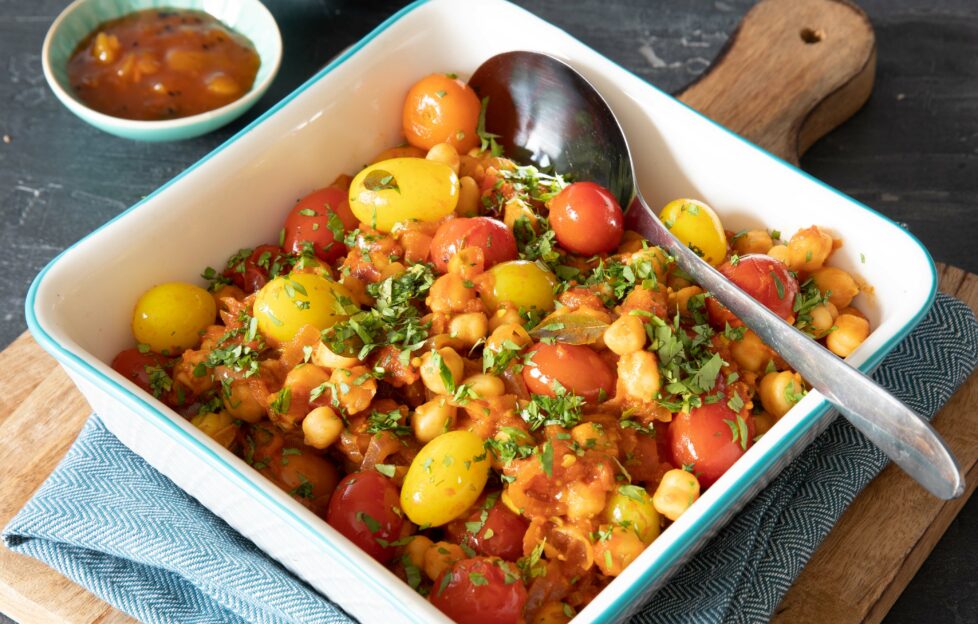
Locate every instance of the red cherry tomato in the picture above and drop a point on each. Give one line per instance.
(294, 467)
(312, 221)
(575, 367)
(132, 365)
(495, 239)
(763, 278)
(704, 438)
(252, 272)
(481, 590)
(365, 508)
(500, 532)
(587, 219)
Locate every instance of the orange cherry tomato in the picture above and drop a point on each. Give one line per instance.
(587, 219)
(493, 237)
(763, 278)
(320, 219)
(710, 438)
(441, 109)
(481, 590)
(575, 367)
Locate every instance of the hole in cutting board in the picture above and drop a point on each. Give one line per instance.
(811, 36)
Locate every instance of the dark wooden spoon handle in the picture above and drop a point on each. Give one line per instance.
(792, 71)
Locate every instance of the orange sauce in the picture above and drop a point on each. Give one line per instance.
(162, 64)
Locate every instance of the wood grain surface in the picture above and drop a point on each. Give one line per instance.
(60, 179)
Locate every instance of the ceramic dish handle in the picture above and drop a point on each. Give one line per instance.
(898, 431)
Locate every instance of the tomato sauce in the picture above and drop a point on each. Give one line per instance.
(162, 64)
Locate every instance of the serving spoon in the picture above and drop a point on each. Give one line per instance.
(546, 113)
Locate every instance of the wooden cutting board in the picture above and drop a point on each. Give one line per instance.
(793, 70)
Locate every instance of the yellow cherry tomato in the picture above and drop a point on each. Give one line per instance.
(445, 478)
(170, 317)
(289, 302)
(403, 189)
(631, 506)
(523, 283)
(697, 226)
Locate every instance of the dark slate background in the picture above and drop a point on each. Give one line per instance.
(912, 152)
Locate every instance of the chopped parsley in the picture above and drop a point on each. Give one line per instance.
(387, 421)
(564, 409)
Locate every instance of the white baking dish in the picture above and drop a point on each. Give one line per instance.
(79, 307)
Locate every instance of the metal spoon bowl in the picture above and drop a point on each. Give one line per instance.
(546, 113)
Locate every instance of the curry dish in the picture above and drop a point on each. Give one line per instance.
(468, 368)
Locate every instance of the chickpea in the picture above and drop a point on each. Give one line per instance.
(763, 423)
(512, 332)
(839, 285)
(583, 502)
(553, 613)
(432, 419)
(218, 426)
(432, 367)
(469, 328)
(449, 294)
(614, 554)
(780, 391)
(446, 154)
(505, 316)
(850, 332)
(486, 386)
(241, 403)
(589, 435)
(321, 427)
(779, 253)
(808, 249)
(638, 374)
(356, 388)
(471, 167)
(631, 242)
(625, 335)
(467, 262)
(416, 548)
(823, 316)
(468, 197)
(750, 352)
(683, 295)
(753, 241)
(676, 492)
(441, 556)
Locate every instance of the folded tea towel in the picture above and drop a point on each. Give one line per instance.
(111, 523)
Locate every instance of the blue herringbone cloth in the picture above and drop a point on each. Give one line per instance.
(110, 522)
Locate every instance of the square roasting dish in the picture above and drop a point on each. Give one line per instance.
(79, 307)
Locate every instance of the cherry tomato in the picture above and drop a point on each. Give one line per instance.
(403, 189)
(575, 367)
(445, 478)
(587, 219)
(290, 302)
(132, 365)
(521, 282)
(170, 317)
(441, 109)
(763, 278)
(320, 218)
(710, 438)
(252, 272)
(294, 467)
(495, 239)
(499, 534)
(697, 226)
(365, 509)
(481, 590)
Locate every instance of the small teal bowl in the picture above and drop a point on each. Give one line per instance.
(248, 17)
